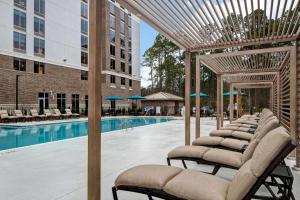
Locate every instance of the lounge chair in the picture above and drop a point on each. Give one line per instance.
(49, 114)
(36, 115)
(237, 140)
(173, 183)
(69, 112)
(5, 117)
(57, 114)
(242, 133)
(20, 116)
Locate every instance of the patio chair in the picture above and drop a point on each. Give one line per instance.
(69, 112)
(57, 114)
(237, 140)
(220, 157)
(49, 114)
(20, 116)
(5, 118)
(173, 183)
(36, 115)
(243, 133)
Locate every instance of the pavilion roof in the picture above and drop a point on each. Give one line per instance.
(204, 24)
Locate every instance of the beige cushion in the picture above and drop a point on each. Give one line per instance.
(149, 176)
(268, 148)
(224, 157)
(241, 183)
(234, 143)
(194, 185)
(188, 151)
(267, 127)
(249, 150)
(242, 135)
(221, 133)
(208, 140)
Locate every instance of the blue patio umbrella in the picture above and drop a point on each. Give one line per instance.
(113, 98)
(235, 92)
(201, 95)
(135, 97)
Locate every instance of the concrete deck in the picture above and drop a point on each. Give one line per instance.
(58, 170)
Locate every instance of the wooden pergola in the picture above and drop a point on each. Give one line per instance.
(200, 26)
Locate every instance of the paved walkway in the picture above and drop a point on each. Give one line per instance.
(57, 170)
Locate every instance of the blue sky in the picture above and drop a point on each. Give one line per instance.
(148, 35)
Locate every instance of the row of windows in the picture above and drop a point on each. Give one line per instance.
(20, 43)
(122, 80)
(112, 35)
(20, 65)
(122, 53)
(123, 66)
(39, 6)
(84, 37)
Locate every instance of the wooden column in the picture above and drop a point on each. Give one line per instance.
(187, 98)
(231, 106)
(278, 95)
(239, 102)
(97, 23)
(198, 89)
(222, 102)
(218, 100)
(271, 99)
(295, 97)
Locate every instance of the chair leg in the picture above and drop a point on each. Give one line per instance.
(150, 197)
(184, 165)
(168, 161)
(215, 170)
(114, 192)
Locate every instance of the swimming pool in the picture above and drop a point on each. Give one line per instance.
(13, 137)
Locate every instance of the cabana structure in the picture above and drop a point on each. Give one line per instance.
(202, 26)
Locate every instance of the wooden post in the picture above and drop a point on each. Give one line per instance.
(187, 98)
(297, 134)
(198, 89)
(239, 103)
(218, 100)
(97, 23)
(293, 101)
(222, 103)
(271, 99)
(278, 95)
(231, 106)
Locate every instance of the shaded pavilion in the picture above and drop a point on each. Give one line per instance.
(201, 26)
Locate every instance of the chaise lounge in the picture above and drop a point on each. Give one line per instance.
(172, 183)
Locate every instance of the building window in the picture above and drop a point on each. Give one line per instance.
(123, 53)
(130, 70)
(19, 19)
(122, 15)
(39, 26)
(123, 67)
(129, 22)
(122, 27)
(84, 75)
(112, 64)
(39, 7)
(112, 79)
(122, 40)
(20, 3)
(129, 45)
(130, 83)
(84, 10)
(75, 103)
(112, 35)
(84, 42)
(84, 26)
(112, 9)
(43, 100)
(123, 81)
(84, 58)
(112, 22)
(39, 46)
(20, 64)
(129, 58)
(19, 41)
(129, 34)
(39, 68)
(61, 102)
(112, 50)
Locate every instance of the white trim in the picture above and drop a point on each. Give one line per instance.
(120, 75)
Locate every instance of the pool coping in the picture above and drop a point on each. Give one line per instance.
(37, 123)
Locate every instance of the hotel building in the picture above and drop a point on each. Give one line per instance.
(44, 55)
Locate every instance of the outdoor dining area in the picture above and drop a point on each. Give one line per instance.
(261, 50)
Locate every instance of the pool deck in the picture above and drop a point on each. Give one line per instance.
(58, 170)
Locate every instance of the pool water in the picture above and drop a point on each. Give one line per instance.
(13, 137)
